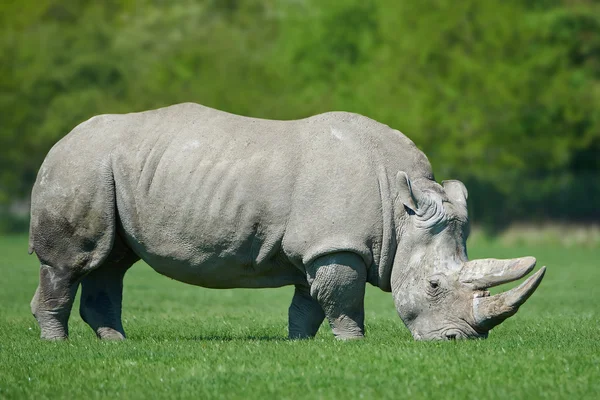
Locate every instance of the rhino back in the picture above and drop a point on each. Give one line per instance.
(220, 200)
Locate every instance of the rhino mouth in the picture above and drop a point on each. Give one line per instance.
(456, 334)
(481, 293)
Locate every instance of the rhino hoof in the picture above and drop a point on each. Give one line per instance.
(109, 334)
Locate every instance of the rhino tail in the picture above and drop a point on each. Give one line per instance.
(30, 249)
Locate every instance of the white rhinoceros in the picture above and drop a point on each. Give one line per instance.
(327, 203)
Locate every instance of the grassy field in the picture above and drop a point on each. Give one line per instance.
(189, 342)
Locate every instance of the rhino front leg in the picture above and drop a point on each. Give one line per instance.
(338, 284)
(102, 297)
(305, 314)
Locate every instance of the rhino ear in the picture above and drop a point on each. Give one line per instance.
(405, 193)
(456, 191)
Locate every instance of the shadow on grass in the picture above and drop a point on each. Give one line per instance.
(231, 338)
(210, 337)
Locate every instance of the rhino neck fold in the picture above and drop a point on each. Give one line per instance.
(388, 235)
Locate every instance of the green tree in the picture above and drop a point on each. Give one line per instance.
(504, 95)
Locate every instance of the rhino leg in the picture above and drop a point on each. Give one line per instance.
(102, 294)
(305, 314)
(51, 305)
(338, 284)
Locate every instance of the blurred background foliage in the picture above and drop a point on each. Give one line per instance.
(503, 95)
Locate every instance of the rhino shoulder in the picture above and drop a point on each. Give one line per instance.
(387, 146)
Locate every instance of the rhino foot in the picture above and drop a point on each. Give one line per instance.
(346, 328)
(102, 297)
(51, 305)
(105, 333)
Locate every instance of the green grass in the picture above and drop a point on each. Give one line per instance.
(190, 342)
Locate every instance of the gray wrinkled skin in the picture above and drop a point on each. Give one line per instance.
(327, 203)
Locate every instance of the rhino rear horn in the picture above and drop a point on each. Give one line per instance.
(490, 272)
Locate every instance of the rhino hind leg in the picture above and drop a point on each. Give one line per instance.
(338, 284)
(305, 314)
(51, 305)
(102, 293)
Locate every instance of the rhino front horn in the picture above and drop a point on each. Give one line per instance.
(491, 311)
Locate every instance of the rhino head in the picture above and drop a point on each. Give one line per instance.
(438, 292)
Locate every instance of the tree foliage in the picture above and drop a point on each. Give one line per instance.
(504, 95)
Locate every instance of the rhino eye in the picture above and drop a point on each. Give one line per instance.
(433, 288)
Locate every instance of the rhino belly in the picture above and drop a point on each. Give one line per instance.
(210, 221)
(209, 267)
(214, 252)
